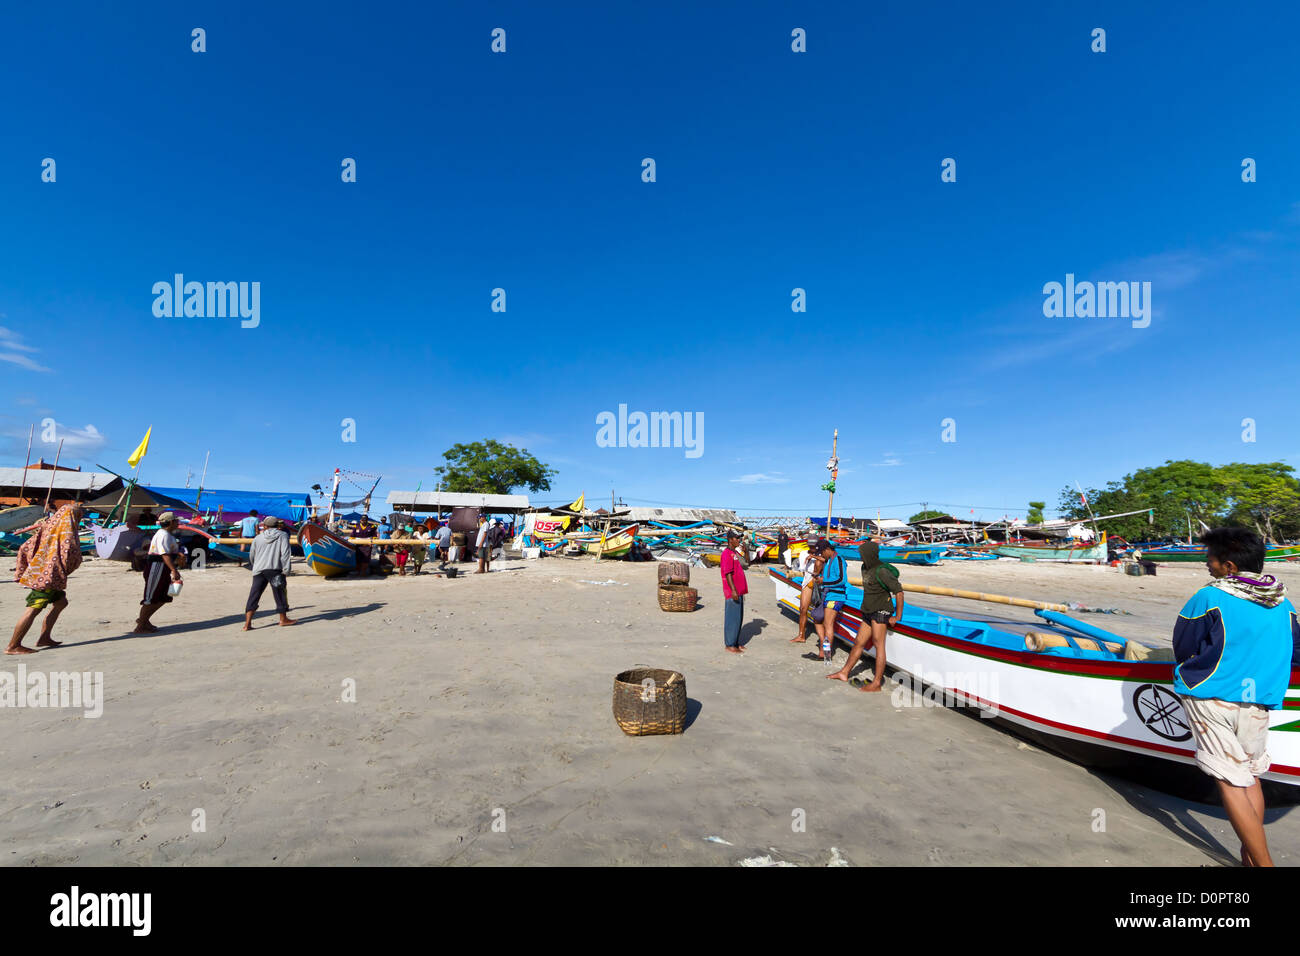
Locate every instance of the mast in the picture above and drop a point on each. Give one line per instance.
(334, 494)
(60, 452)
(199, 496)
(22, 497)
(834, 466)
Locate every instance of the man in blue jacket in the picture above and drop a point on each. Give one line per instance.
(1235, 642)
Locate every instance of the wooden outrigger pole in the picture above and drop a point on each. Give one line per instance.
(53, 473)
(22, 491)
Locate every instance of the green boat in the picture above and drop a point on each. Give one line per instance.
(1094, 553)
(1195, 554)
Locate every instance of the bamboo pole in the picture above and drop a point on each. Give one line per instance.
(830, 504)
(22, 491)
(973, 596)
(53, 473)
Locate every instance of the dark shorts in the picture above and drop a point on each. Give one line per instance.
(881, 616)
(157, 579)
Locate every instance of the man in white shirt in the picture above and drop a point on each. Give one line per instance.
(481, 543)
(166, 558)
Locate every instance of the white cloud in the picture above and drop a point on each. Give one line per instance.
(761, 479)
(13, 351)
(79, 441)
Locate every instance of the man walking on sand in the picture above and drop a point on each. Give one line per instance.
(44, 562)
(882, 606)
(1236, 641)
(270, 557)
(163, 570)
(734, 589)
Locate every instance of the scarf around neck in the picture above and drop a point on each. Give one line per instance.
(1267, 591)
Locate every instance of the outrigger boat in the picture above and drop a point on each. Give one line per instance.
(1195, 554)
(1092, 706)
(1094, 553)
(325, 552)
(613, 545)
(904, 554)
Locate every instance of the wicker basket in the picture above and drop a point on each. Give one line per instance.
(678, 597)
(674, 572)
(650, 701)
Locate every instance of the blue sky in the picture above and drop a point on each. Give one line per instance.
(775, 170)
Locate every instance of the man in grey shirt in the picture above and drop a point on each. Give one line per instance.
(444, 541)
(270, 557)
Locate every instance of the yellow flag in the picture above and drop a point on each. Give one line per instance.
(140, 451)
(577, 505)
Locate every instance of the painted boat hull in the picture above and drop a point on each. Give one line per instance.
(325, 552)
(1196, 555)
(1080, 554)
(119, 542)
(1089, 706)
(924, 554)
(614, 546)
(15, 519)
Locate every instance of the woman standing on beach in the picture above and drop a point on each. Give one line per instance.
(44, 562)
(163, 570)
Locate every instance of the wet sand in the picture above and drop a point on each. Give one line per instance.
(482, 733)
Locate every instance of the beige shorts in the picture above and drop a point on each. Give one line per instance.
(1231, 738)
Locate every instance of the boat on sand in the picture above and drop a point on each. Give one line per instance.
(1086, 700)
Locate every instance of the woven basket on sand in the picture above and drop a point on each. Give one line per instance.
(678, 597)
(650, 701)
(674, 572)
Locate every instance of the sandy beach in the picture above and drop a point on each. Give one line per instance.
(488, 699)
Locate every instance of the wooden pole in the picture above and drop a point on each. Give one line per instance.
(199, 496)
(974, 596)
(22, 491)
(835, 470)
(52, 475)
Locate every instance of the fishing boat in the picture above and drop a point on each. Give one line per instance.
(614, 545)
(325, 552)
(904, 554)
(119, 542)
(1079, 553)
(1091, 706)
(1195, 554)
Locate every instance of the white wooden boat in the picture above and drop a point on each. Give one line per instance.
(1091, 706)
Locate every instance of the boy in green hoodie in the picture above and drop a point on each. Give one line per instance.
(882, 606)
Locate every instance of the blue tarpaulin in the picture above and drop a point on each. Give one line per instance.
(236, 504)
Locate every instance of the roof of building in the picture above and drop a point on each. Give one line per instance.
(430, 501)
(87, 481)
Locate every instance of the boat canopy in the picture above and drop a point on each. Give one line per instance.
(236, 504)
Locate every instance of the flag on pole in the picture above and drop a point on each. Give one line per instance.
(141, 450)
(1083, 499)
(577, 505)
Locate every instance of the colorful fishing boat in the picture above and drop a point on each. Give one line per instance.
(1091, 706)
(1194, 554)
(902, 554)
(1077, 553)
(119, 542)
(325, 552)
(614, 545)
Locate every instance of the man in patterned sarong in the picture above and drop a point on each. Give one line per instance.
(44, 562)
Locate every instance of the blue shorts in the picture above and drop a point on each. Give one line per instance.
(834, 605)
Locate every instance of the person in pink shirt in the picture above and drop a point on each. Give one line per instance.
(734, 589)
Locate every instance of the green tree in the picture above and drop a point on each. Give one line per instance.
(927, 513)
(493, 468)
(1035, 515)
(1264, 496)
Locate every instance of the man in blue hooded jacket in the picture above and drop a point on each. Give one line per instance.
(1235, 642)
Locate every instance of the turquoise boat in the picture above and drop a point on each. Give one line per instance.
(902, 554)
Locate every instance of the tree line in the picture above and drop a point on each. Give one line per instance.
(1264, 497)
